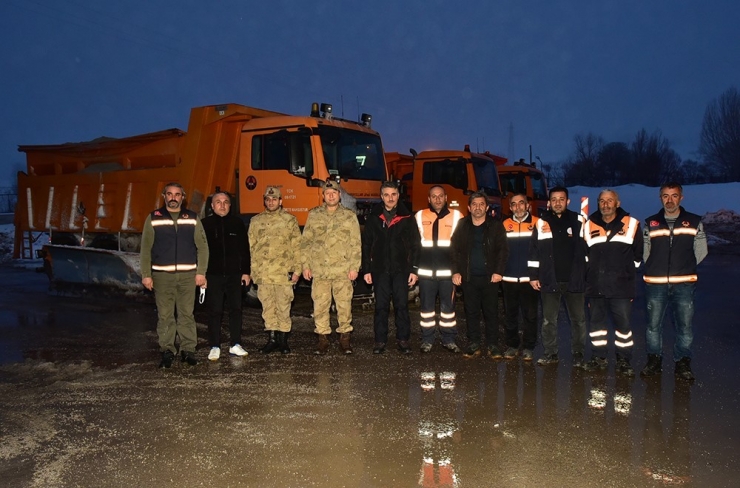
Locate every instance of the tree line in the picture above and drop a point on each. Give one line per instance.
(649, 159)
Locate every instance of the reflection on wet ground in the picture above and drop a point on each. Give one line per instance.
(83, 404)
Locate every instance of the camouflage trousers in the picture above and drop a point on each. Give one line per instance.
(276, 301)
(322, 291)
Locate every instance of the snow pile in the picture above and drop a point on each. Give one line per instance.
(6, 243)
(722, 217)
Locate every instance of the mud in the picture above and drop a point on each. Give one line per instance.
(82, 403)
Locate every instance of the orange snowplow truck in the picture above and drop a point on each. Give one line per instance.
(92, 198)
(460, 173)
(525, 178)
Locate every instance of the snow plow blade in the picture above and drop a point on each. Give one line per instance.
(83, 268)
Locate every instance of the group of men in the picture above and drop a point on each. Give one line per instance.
(560, 256)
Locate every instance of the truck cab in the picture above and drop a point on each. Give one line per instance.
(460, 173)
(524, 178)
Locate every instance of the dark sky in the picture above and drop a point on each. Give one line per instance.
(434, 74)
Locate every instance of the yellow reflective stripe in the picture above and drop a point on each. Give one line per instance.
(439, 272)
(659, 233)
(598, 343)
(510, 279)
(623, 336)
(174, 267)
(533, 264)
(186, 221)
(512, 235)
(670, 279)
(450, 315)
(157, 222)
(684, 231)
(597, 333)
(426, 324)
(426, 315)
(623, 344)
(448, 324)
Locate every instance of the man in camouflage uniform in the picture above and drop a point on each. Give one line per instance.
(331, 252)
(274, 241)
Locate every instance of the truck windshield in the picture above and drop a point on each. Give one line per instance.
(353, 155)
(539, 188)
(487, 177)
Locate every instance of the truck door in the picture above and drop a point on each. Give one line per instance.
(282, 158)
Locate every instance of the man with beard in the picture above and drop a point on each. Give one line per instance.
(174, 258)
(675, 244)
(274, 242)
(436, 225)
(390, 259)
(228, 270)
(557, 269)
(479, 253)
(614, 251)
(519, 296)
(331, 254)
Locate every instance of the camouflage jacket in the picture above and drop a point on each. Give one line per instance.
(331, 245)
(274, 242)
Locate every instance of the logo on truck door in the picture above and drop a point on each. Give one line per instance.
(250, 182)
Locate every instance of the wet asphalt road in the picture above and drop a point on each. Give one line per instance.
(82, 403)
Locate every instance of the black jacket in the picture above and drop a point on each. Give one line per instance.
(228, 245)
(542, 255)
(390, 247)
(614, 253)
(495, 248)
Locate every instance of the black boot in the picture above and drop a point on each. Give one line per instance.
(272, 343)
(654, 365)
(683, 369)
(282, 339)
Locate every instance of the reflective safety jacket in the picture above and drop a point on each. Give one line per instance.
(614, 252)
(518, 236)
(174, 246)
(436, 235)
(672, 258)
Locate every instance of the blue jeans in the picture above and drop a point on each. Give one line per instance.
(680, 297)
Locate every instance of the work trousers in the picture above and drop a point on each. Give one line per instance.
(276, 301)
(230, 288)
(680, 298)
(391, 286)
(429, 289)
(620, 310)
(175, 291)
(520, 297)
(322, 291)
(576, 307)
(481, 295)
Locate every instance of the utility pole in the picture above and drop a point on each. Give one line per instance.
(510, 149)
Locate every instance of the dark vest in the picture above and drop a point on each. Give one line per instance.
(672, 258)
(174, 247)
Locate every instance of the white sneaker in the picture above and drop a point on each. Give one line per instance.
(214, 354)
(237, 350)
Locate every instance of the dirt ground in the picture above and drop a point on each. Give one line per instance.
(82, 403)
